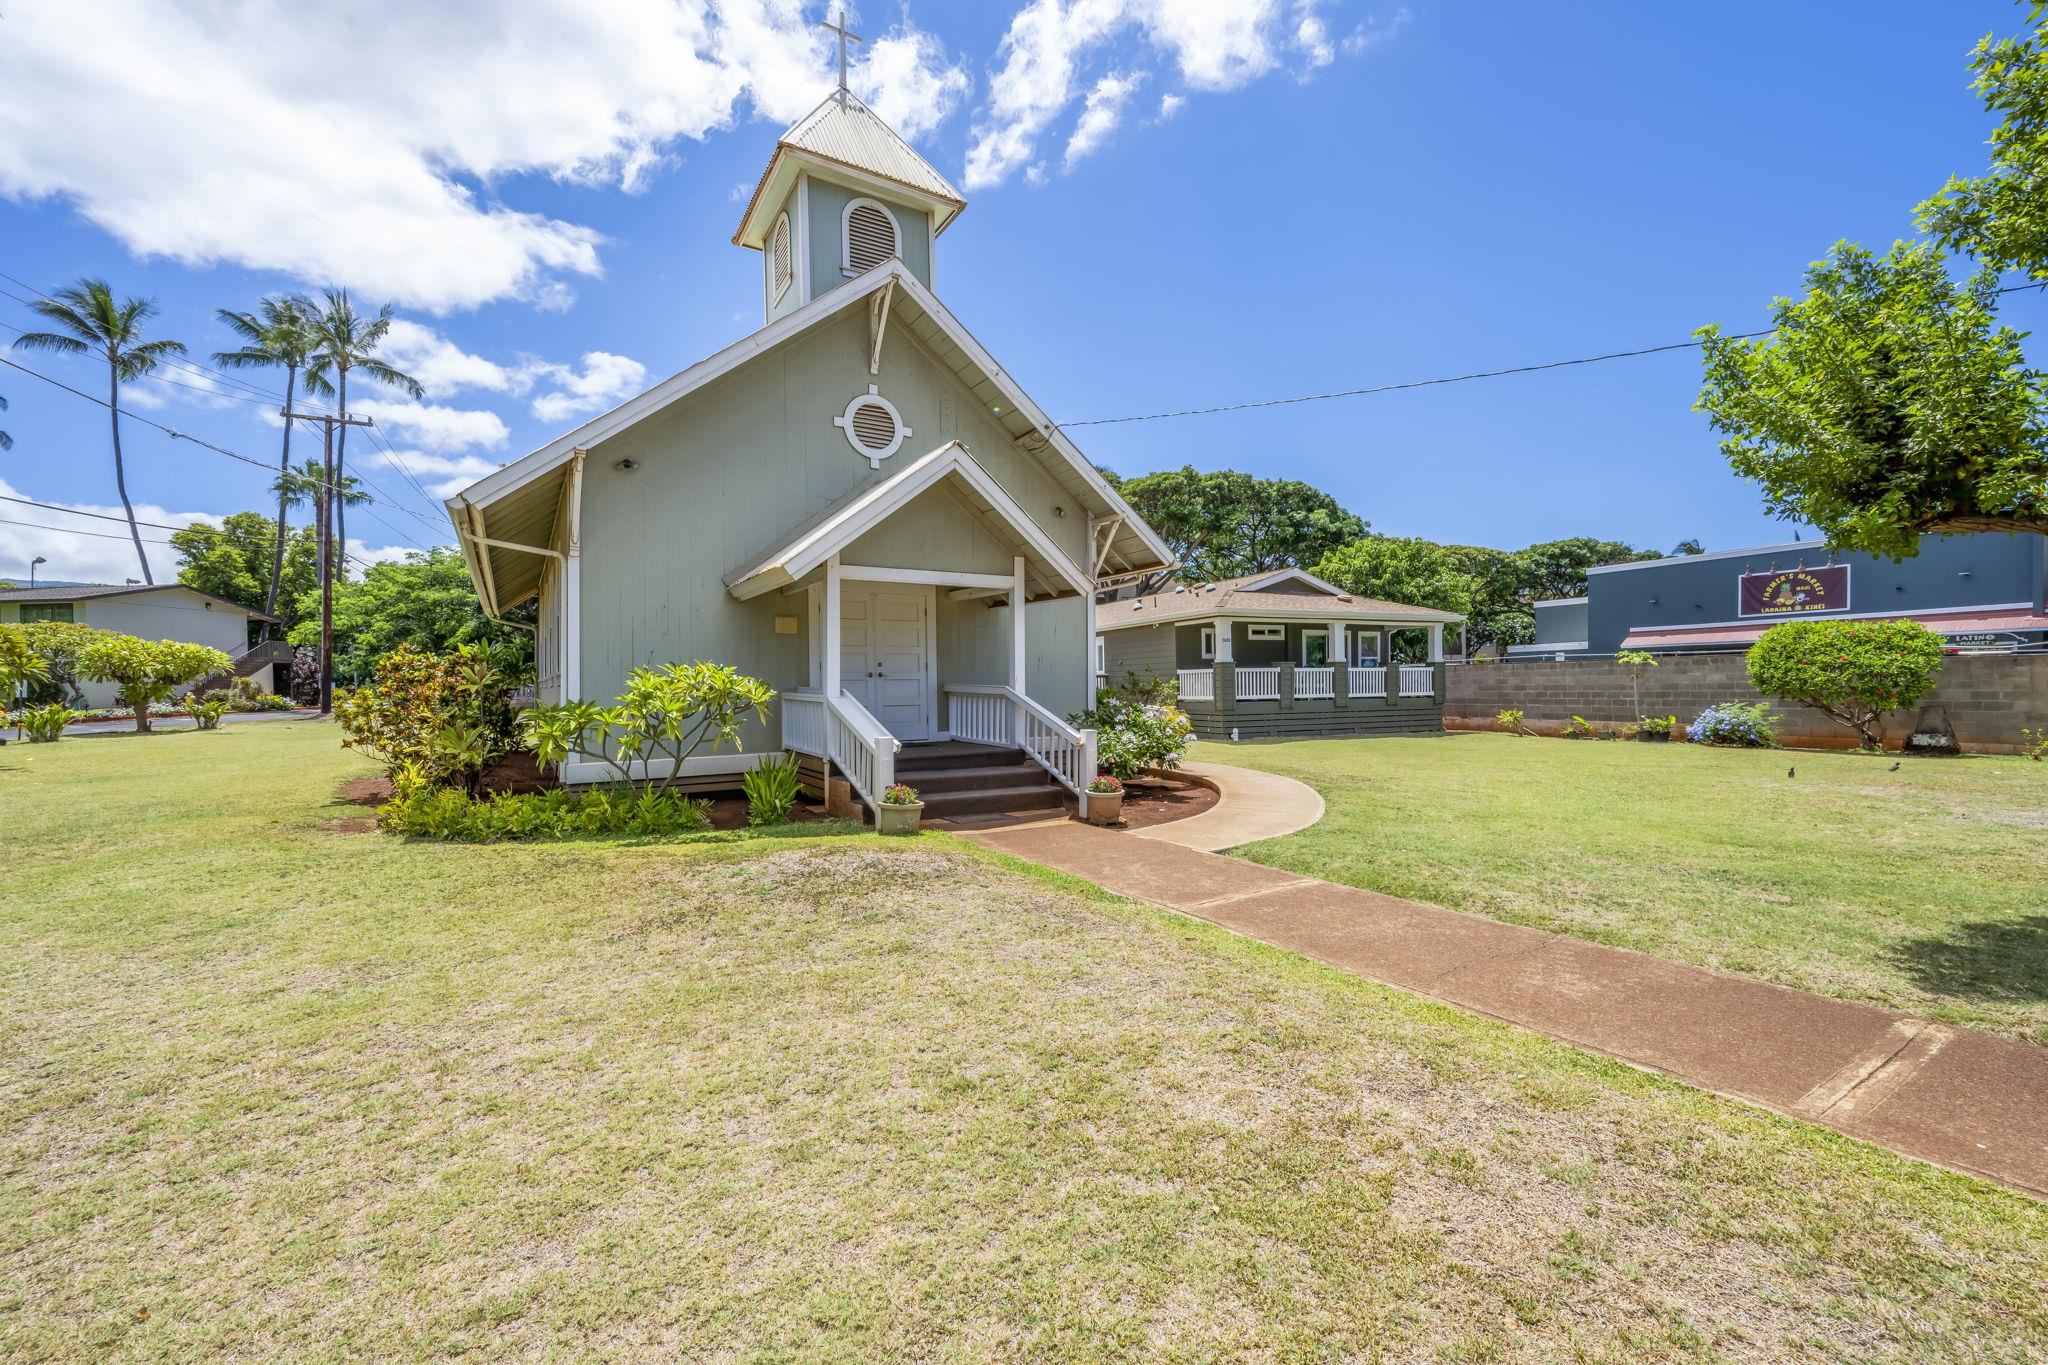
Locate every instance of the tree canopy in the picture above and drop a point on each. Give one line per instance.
(1406, 569)
(234, 561)
(1226, 524)
(1888, 404)
(2001, 217)
(425, 601)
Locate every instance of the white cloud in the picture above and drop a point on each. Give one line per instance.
(195, 132)
(1374, 32)
(439, 364)
(86, 549)
(361, 555)
(1169, 105)
(602, 382)
(1101, 113)
(1217, 45)
(442, 475)
(433, 426)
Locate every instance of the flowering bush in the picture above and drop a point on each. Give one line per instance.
(896, 794)
(1105, 785)
(1854, 671)
(1749, 725)
(1133, 733)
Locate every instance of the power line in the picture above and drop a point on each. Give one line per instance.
(71, 531)
(102, 516)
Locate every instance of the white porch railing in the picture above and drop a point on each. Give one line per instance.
(841, 730)
(1198, 684)
(1368, 682)
(1311, 684)
(1258, 684)
(990, 713)
(1417, 680)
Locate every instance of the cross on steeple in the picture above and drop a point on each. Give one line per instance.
(845, 37)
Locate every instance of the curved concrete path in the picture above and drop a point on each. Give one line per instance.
(1961, 1099)
(1250, 806)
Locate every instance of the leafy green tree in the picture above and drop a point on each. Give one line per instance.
(1559, 568)
(1888, 405)
(1406, 569)
(1499, 615)
(60, 645)
(425, 601)
(2001, 218)
(348, 340)
(20, 666)
(1688, 547)
(308, 485)
(1227, 524)
(665, 714)
(147, 671)
(278, 335)
(1853, 671)
(93, 322)
(235, 559)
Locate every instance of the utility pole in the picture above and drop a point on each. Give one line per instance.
(323, 506)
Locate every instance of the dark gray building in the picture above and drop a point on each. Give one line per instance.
(1984, 591)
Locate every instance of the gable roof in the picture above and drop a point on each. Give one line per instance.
(869, 507)
(528, 489)
(844, 134)
(86, 592)
(1239, 598)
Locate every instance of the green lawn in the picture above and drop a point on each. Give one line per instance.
(1924, 889)
(274, 1090)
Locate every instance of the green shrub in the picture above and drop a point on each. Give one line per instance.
(1657, 725)
(448, 714)
(2034, 744)
(424, 811)
(1852, 671)
(44, 724)
(1134, 730)
(1741, 724)
(665, 715)
(1578, 727)
(1510, 720)
(771, 790)
(208, 713)
(146, 672)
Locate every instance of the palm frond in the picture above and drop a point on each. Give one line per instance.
(50, 341)
(139, 360)
(244, 325)
(6, 441)
(316, 380)
(397, 379)
(248, 358)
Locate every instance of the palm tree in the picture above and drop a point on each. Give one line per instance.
(92, 321)
(307, 486)
(348, 341)
(280, 332)
(6, 441)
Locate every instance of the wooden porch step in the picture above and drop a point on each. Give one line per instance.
(993, 800)
(954, 753)
(931, 781)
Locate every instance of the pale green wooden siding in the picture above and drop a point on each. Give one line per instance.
(827, 251)
(1061, 654)
(931, 532)
(728, 473)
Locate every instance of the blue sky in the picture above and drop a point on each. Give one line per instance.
(1264, 202)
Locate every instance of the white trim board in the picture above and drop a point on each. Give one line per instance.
(703, 765)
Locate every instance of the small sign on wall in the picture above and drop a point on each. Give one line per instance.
(785, 625)
(1794, 592)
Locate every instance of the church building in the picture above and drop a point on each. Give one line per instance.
(855, 503)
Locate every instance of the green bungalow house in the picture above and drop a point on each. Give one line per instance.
(855, 503)
(1282, 653)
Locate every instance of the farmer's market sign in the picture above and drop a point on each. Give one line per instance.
(1794, 592)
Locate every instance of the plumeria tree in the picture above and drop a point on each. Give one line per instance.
(148, 671)
(665, 715)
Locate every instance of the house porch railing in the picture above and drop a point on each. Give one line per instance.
(840, 731)
(1368, 682)
(994, 714)
(1258, 684)
(1198, 684)
(1418, 680)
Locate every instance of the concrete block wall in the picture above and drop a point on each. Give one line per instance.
(1989, 698)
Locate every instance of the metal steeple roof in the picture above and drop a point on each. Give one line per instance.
(842, 131)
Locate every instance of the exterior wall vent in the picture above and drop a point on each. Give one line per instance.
(873, 427)
(778, 251)
(870, 235)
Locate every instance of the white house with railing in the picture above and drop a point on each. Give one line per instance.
(1282, 653)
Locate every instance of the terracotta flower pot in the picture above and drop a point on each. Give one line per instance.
(1105, 808)
(898, 819)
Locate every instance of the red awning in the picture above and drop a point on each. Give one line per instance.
(1962, 623)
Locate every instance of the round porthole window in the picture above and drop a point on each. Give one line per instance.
(873, 427)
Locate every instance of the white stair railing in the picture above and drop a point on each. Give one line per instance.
(1197, 684)
(1368, 682)
(988, 713)
(840, 730)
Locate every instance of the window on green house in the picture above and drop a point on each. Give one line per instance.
(45, 611)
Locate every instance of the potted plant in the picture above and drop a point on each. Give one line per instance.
(1105, 801)
(1656, 729)
(900, 810)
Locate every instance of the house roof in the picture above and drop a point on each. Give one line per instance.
(520, 504)
(1049, 572)
(1945, 623)
(1239, 598)
(86, 592)
(844, 134)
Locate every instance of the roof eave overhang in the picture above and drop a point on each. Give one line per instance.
(1433, 618)
(789, 162)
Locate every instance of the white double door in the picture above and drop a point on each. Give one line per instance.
(885, 655)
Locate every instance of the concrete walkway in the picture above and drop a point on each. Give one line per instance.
(1961, 1099)
(1253, 806)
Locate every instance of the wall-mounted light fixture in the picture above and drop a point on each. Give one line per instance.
(627, 465)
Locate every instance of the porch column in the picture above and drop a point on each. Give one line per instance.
(570, 626)
(1436, 643)
(1017, 591)
(1222, 629)
(830, 662)
(1088, 633)
(1338, 654)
